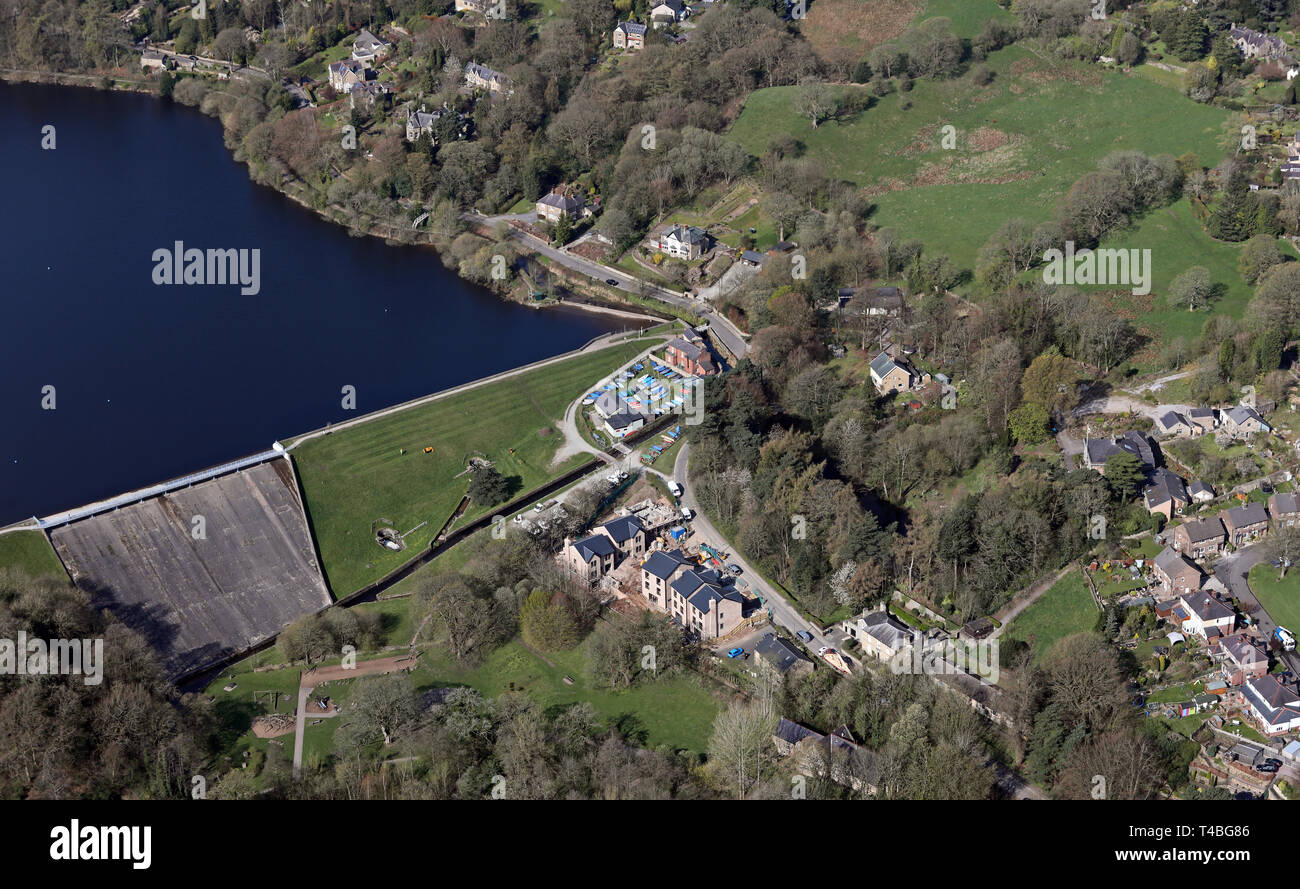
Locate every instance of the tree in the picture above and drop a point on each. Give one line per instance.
(1277, 298)
(488, 487)
(1259, 255)
(383, 705)
(816, 100)
(1051, 380)
(546, 623)
(1283, 545)
(741, 744)
(1124, 473)
(563, 230)
(1028, 423)
(1192, 288)
(1234, 216)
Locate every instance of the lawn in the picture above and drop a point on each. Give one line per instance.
(1063, 610)
(677, 712)
(1021, 143)
(1280, 598)
(30, 553)
(377, 472)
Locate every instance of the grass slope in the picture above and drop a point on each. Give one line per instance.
(30, 552)
(1281, 599)
(358, 476)
(1063, 610)
(1021, 143)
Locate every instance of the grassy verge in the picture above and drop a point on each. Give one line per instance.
(1280, 598)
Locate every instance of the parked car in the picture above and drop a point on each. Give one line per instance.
(804, 635)
(735, 652)
(822, 651)
(613, 281)
(687, 514)
(735, 569)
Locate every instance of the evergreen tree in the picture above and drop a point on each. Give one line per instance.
(1234, 217)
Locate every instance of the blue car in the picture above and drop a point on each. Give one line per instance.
(735, 652)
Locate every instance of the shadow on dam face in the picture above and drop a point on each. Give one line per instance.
(199, 598)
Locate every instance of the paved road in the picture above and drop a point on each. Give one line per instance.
(1233, 569)
(722, 328)
(782, 611)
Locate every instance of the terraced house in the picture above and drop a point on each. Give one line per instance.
(1245, 523)
(1200, 539)
(1284, 509)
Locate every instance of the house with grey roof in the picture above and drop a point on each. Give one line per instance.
(627, 534)
(1173, 423)
(1200, 491)
(666, 12)
(1201, 419)
(1245, 523)
(629, 35)
(782, 656)
(624, 423)
(1273, 704)
(689, 355)
(880, 634)
(344, 73)
(1284, 509)
(1242, 421)
(482, 77)
(891, 375)
(838, 755)
(1257, 45)
(684, 242)
(1096, 451)
(591, 557)
(1166, 494)
(658, 570)
(1200, 539)
(1176, 572)
(1205, 614)
(1241, 658)
(560, 202)
(368, 48)
(698, 601)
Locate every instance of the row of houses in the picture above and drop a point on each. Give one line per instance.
(1207, 537)
(697, 598)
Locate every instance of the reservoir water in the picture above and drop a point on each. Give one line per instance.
(152, 381)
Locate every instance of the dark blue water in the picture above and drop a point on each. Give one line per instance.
(152, 382)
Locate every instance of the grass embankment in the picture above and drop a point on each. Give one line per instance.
(359, 476)
(30, 552)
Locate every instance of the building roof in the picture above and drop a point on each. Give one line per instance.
(751, 256)
(595, 545)
(1242, 413)
(1275, 702)
(1202, 530)
(1165, 487)
(882, 365)
(623, 420)
(1205, 607)
(623, 528)
(563, 202)
(664, 563)
(793, 732)
(1241, 516)
(1243, 650)
(1199, 487)
(886, 629)
(367, 41)
(631, 28)
(685, 234)
(1169, 419)
(778, 653)
(1174, 564)
(1283, 504)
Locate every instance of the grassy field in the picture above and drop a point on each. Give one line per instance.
(1063, 610)
(1021, 142)
(31, 553)
(1281, 599)
(359, 476)
(677, 712)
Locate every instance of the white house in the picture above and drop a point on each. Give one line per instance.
(682, 241)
